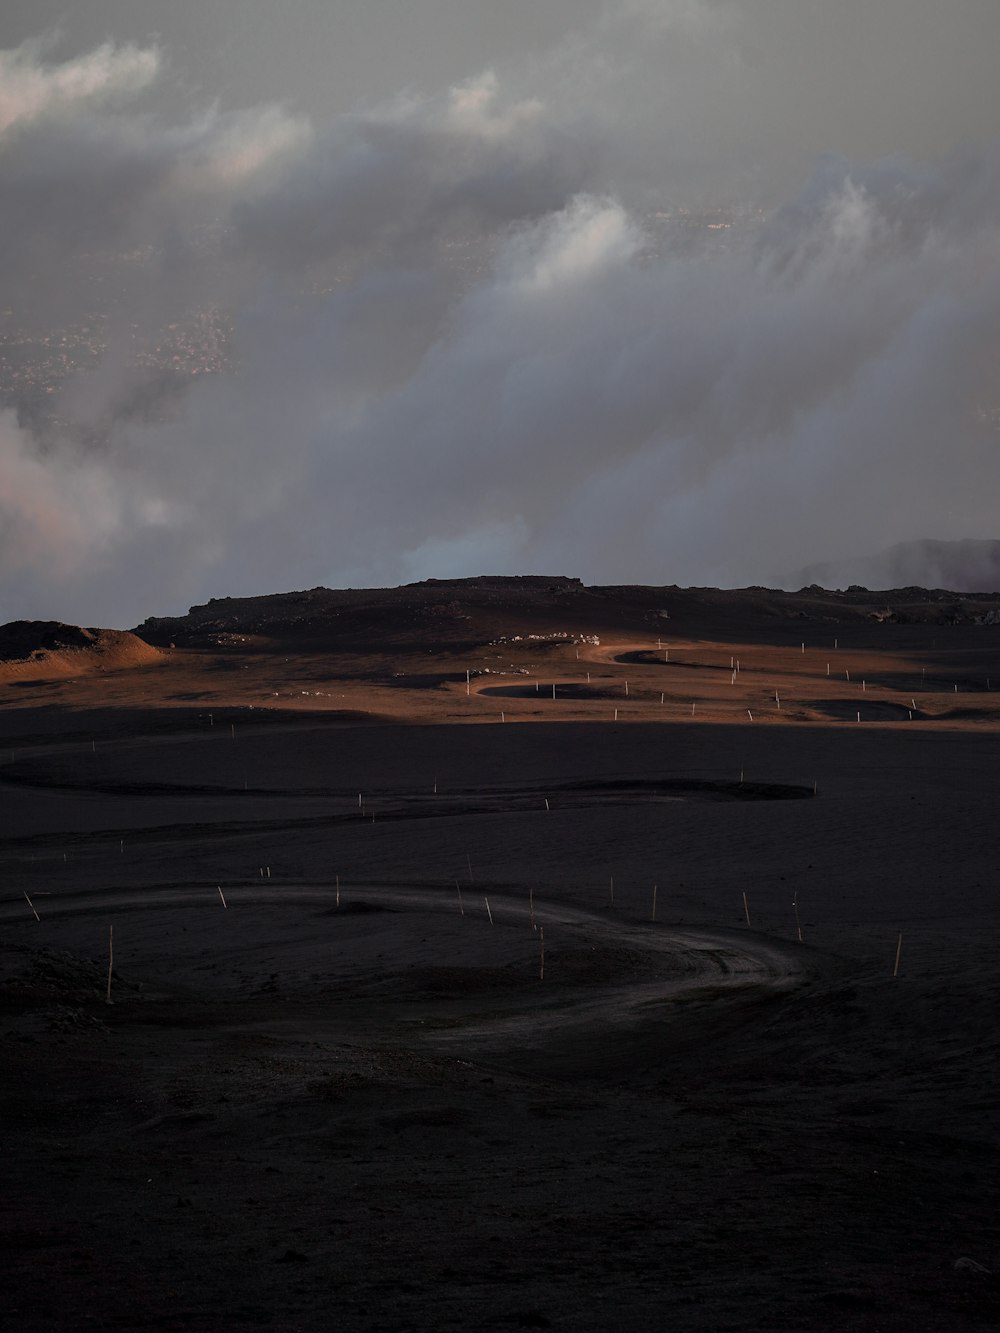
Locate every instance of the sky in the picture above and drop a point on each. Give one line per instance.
(353, 294)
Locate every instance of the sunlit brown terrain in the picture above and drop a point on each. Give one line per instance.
(504, 954)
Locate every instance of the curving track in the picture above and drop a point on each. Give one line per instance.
(697, 965)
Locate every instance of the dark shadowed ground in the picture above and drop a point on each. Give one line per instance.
(334, 1088)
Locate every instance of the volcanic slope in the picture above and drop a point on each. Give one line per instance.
(505, 953)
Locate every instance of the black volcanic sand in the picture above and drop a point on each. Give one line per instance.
(374, 1113)
(564, 690)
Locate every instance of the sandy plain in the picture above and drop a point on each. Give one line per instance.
(338, 1084)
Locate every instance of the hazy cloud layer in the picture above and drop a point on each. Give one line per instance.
(458, 338)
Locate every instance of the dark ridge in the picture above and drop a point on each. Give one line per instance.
(462, 614)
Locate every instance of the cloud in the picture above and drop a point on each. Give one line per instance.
(406, 178)
(31, 90)
(446, 345)
(95, 191)
(51, 516)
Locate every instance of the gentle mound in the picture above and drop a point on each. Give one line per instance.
(33, 649)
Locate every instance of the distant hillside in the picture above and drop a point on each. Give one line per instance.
(960, 566)
(457, 614)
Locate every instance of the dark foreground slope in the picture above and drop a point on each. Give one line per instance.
(422, 1021)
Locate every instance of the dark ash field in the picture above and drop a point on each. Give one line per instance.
(424, 1019)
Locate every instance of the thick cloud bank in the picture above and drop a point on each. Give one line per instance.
(441, 337)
